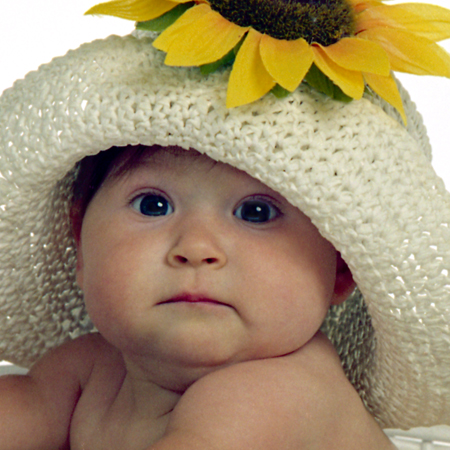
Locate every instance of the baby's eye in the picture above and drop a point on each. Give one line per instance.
(257, 211)
(153, 205)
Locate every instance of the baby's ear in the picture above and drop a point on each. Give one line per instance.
(344, 284)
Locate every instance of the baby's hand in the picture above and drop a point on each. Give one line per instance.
(300, 401)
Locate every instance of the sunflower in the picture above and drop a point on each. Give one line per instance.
(353, 43)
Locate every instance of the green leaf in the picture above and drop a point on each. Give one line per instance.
(319, 81)
(228, 59)
(162, 22)
(279, 91)
(206, 69)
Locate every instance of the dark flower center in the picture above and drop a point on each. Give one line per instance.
(322, 21)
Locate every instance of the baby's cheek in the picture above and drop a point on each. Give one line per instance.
(104, 286)
(110, 315)
(302, 299)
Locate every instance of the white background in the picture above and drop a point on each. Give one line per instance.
(32, 32)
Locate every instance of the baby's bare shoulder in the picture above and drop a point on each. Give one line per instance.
(40, 404)
(75, 360)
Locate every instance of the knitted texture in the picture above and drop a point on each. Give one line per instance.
(365, 181)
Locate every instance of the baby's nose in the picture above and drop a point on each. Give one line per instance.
(197, 248)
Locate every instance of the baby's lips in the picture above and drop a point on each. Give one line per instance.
(193, 298)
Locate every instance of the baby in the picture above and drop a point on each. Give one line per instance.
(208, 290)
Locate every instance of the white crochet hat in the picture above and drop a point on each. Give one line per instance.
(363, 178)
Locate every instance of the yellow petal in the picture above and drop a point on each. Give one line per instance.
(351, 82)
(429, 21)
(138, 10)
(386, 88)
(286, 61)
(410, 53)
(435, 17)
(360, 55)
(206, 40)
(249, 80)
(176, 31)
(365, 3)
(361, 5)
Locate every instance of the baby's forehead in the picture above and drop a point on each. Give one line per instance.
(171, 160)
(174, 157)
(133, 158)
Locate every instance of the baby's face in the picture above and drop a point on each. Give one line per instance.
(185, 259)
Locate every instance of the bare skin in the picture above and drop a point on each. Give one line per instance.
(79, 397)
(207, 288)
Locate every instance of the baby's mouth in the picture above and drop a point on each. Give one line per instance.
(191, 298)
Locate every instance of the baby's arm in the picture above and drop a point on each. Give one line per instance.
(300, 401)
(36, 409)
